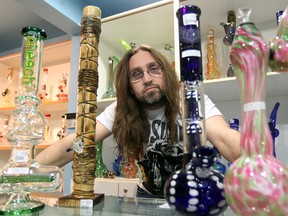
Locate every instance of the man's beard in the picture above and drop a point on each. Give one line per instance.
(153, 97)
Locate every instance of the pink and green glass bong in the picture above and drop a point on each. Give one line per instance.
(256, 183)
(22, 175)
(197, 188)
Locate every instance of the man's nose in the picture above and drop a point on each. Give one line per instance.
(146, 77)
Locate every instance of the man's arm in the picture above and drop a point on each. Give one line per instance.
(56, 154)
(225, 139)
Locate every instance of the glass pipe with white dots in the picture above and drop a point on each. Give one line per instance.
(197, 188)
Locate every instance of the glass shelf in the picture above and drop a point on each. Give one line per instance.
(227, 89)
(113, 205)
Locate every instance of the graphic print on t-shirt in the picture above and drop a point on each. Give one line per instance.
(160, 160)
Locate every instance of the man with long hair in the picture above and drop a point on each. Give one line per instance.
(146, 122)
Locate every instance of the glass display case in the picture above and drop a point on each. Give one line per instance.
(112, 205)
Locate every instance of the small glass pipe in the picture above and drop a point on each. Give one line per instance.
(229, 28)
(272, 126)
(279, 16)
(110, 93)
(212, 71)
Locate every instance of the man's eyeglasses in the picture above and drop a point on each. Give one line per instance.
(137, 75)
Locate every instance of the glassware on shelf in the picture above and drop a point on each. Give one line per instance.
(62, 93)
(230, 72)
(197, 188)
(278, 59)
(63, 131)
(70, 122)
(129, 168)
(212, 70)
(171, 49)
(218, 165)
(8, 95)
(279, 16)
(118, 161)
(116, 165)
(5, 129)
(133, 45)
(229, 29)
(125, 44)
(47, 132)
(272, 125)
(101, 169)
(22, 175)
(43, 93)
(256, 183)
(110, 93)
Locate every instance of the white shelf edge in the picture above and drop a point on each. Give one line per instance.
(227, 89)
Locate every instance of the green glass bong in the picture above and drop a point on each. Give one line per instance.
(22, 174)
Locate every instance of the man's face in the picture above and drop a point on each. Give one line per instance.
(147, 88)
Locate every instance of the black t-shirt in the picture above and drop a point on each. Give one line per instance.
(159, 160)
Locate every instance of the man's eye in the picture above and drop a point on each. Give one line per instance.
(137, 73)
(153, 69)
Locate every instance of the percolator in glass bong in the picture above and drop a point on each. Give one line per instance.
(22, 174)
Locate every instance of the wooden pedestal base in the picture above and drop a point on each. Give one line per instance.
(70, 201)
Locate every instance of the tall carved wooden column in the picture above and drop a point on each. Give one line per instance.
(84, 159)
